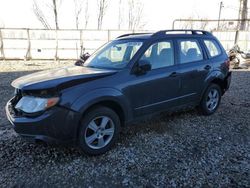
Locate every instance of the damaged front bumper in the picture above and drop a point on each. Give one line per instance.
(57, 125)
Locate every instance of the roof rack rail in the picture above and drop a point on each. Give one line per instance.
(129, 34)
(193, 32)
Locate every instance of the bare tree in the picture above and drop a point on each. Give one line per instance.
(120, 17)
(102, 6)
(40, 16)
(86, 14)
(78, 9)
(224, 26)
(81, 5)
(202, 24)
(188, 24)
(55, 10)
(50, 6)
(135, 14)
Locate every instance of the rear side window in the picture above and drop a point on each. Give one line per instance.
(212, 47)
(190, 51)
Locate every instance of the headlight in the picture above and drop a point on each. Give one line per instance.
(29, 104)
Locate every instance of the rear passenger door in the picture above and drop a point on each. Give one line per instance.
(193, 69)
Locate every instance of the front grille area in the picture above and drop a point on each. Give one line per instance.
(11, 110)
(13, 102)
(18, 93)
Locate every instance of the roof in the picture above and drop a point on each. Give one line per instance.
(136, 36)
(165, 33)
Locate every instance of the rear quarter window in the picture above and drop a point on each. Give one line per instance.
(212, 47)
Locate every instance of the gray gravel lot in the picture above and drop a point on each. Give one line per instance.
(178, 149)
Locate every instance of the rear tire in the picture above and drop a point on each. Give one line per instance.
(210, 100)
(99, 130)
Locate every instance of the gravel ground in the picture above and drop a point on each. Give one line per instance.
(173, 150)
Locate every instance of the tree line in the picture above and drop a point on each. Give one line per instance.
(130, 13)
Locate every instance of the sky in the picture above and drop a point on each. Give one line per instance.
(157, 14)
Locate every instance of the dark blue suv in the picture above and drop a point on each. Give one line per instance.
(131, 77)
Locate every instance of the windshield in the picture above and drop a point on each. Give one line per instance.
(114, 55)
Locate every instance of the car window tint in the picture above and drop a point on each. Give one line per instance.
(212, 47)
(160, 54)
(190, 51)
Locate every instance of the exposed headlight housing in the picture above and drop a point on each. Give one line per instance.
(30, 104)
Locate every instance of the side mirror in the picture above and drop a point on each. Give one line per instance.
(143, 67)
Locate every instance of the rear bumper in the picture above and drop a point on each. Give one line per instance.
(55, 126)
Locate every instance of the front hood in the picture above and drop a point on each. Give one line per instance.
(60, 78)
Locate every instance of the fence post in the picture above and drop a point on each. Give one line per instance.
(1, 46)
(77, 43)
(236, 39)
(81, 43)
(108, 35)
(56, 54)
(28, 53)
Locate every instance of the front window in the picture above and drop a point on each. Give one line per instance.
(114, 55)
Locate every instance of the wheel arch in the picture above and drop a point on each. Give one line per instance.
(108, 97)
(109, 103)
(215, 77)
(220, 83)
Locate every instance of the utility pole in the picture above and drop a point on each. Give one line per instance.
(243, 15)
(221, 6)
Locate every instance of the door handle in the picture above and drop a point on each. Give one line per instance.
(207, 67)
(173, 74)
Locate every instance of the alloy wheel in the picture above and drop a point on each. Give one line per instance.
(212, 99)
(99, 132)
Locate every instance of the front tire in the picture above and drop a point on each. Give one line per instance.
(210, 100)
(99, 130)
